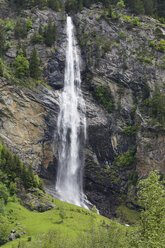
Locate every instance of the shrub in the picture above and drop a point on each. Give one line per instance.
(122, 35)
(152, 44)
(37, 38)
(9, 25)
(29, 24)
(2, 40)
(120, 4)
(157, 105)
(105, 97)
(161, 46)
(4, 229)
(20, 29)
(126, 159)
(136, 22)
(4, 194)
(129, 130)
(1, 68)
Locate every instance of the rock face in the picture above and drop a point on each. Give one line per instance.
(113, 55)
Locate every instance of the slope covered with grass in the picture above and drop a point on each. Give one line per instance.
(65, 225)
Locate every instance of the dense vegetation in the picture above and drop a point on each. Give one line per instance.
(56, 5)
(149, 7)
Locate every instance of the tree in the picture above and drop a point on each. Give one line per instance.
(21, 65)
(4, 229)
(50, 33)
(35, 71)
(150, 229)
(4, 194)
(20, 29)
(2, 40)
(1, 68)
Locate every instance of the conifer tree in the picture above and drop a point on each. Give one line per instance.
(35, 71)
(50, 33)
(1, 68)
(2, 40)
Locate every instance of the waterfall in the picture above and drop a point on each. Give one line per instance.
(71, 127)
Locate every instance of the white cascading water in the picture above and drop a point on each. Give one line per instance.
(71, 128)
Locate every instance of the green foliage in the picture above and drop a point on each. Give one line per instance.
(122, 35)
(2, 40)
(9, 24)
(34, 66)
(50, 33)
(136, 22)
(161, 46)
(120, 4)
(104, 96)
(29, 24)
(4, 229)
(127, 159)
(4, 194)
(129, 130)
(73, 6)
(13, 170)
(144, 59)
(158, 33)
(150, 228)
(37, 38)
(127, 215)
(2, 207)
(1, 68)
(62, 214)
(152, 44)
(21, 66)
(20, 29)
(55, 5)
(157, 105)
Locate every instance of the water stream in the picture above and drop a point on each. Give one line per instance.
(71, 127)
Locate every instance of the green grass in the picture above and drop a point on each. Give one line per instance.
(127, 215)
(76, 221)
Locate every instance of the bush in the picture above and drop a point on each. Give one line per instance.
(4, 194)
(4, 229)
(120, 4)
(29, 24)
(136, 22)
(152, 44)
(129, 130)
(1, 68)
(20, 29)
(105, 97)
(9, 25)
(157, 105)
(126, 159)
(2, 40)
(161, 46)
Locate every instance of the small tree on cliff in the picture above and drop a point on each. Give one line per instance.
(35, 71)
(150, 229)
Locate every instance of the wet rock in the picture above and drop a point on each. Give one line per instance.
(12, 237)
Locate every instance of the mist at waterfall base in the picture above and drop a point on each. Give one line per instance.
(71, 128)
